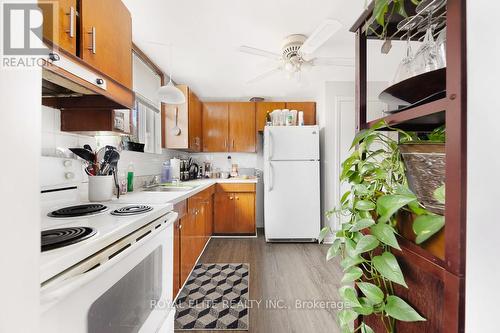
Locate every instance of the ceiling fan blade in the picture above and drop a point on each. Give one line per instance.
(259, 52)
(342, 62)
(264, 75)
(320, 36)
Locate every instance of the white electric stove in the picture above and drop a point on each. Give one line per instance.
(102, 227)
(105, 266)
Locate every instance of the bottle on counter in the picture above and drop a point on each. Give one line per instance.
(123, 184)
(175, 169)
(301, 118)
(130, 177)
(166, 175)
(269, 121)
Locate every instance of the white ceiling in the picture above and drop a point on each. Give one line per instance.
(206, 34)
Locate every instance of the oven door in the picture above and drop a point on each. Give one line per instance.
(126, 287)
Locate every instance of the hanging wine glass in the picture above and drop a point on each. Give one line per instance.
(441, 45)
(405, 68)
(428, 57)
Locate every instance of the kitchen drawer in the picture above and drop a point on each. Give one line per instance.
(235, 187)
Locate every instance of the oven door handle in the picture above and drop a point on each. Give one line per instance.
(52, 294)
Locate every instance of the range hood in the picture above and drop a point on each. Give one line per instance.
(69, 83)
(57, 86)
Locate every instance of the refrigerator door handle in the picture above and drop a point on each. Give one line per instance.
(270, 147)
(271, 177)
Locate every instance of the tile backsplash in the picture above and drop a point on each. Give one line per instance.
(244, 160)
(56, 143)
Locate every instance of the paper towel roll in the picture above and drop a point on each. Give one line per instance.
(175, 167)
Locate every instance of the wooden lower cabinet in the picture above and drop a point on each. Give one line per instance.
(234, 211)
(188, 254)
(244, 213)
(194, 231)
(208, 215)
(224, 213)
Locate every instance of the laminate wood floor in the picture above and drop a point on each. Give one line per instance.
(285, 278)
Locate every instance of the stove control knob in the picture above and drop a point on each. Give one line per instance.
(67, 163)
(69, 175)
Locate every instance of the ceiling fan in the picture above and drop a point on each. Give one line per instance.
(297, 52)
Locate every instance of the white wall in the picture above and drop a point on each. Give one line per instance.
(483, 229)
(336, 116)
(20, 95)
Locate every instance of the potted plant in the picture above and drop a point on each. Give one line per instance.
(425, 168)
(383, 11)
(367, 237)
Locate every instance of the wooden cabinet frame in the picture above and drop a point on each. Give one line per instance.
(452, 110)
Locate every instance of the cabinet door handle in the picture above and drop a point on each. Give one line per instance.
(233, 143)
(230, 198)
(72, 14)
(180, 226)
(237, 198)
(225, 143)
(92, 47)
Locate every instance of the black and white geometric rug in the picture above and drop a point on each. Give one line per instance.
(215, 297)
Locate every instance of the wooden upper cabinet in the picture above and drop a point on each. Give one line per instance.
(261, 111)
(106, 43)
(242, 135)
(215, 127)
(188, 119)
(195, 132)
(309, 109)
(63, 30)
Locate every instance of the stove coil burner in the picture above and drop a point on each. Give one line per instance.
(132, 210)
(80, 210)
(56, 238)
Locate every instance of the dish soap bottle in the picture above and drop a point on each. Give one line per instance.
(130, 177)
(165, 174)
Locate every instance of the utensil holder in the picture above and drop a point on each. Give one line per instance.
(100, 188)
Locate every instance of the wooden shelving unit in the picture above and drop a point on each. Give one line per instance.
(436, 286)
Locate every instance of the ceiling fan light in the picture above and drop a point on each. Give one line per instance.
(289, 67)
(170, 94)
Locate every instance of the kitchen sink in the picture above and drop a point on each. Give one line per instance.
(170, 188)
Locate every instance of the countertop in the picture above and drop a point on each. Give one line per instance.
(144, 197)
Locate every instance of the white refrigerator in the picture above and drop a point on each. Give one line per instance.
(292, 208)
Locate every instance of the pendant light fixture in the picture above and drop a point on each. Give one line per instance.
(170, 94)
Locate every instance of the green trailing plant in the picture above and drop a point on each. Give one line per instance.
(383, 11)
(378, 191)
(438, 135)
